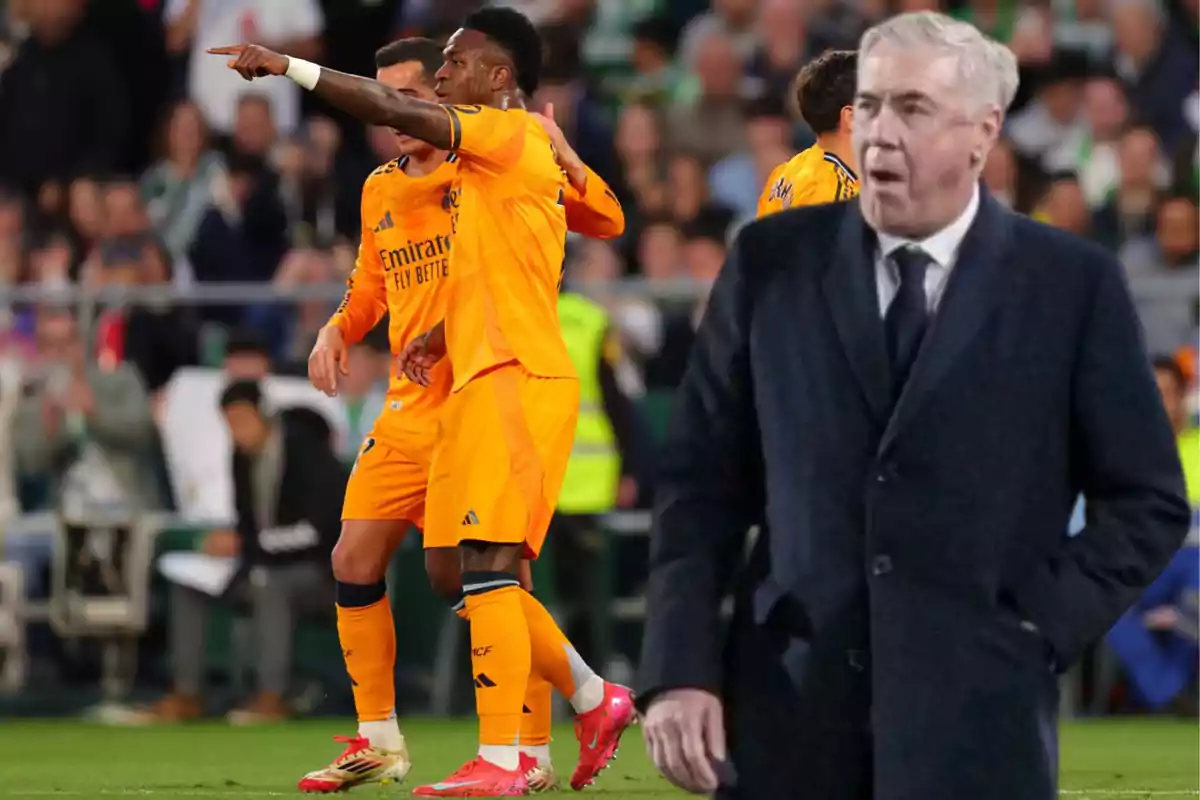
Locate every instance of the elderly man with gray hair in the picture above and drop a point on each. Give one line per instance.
(904, 394)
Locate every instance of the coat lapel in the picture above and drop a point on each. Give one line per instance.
(850, 291)
(973, 288)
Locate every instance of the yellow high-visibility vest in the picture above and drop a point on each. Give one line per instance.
(594, 471)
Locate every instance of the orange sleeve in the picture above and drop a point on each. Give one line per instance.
(595, 211)
(488, 135)
(365, 301)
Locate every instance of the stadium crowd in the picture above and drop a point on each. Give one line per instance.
(129, 159)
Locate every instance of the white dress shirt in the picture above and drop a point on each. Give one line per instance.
(942, 248)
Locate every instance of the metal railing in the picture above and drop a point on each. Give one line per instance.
(259, 293)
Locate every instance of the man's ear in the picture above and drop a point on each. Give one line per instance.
(846, 120)
(502, 75)
(990, 126)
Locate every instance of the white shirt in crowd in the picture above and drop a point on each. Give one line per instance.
(942, 248)
(215, 88)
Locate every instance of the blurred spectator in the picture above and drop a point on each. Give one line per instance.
(737, 180)
(782, 48)
(730, 20)
(361, 396)
(158, 337)
(132, 33)
(124, 213)
(287, 26)
(72, 408)
(1098, 164)
(291, 329)
(1156, 64)
(288, 487)
(1028, 30)
(1000, 173)
(320, 185)
(1064, 206)
(711, 126)
(703, 253)
(1082, 25)
(687, 186)
(85, 212)
(1048, 130)
(241, 237)
(254, 129)
(578, 113)
(593, 266)
(52, 261)
(10, 395)
(247, 357)
(1128, 216)
(177, 189)
(997, 18)
(639, 148)
(62, 106)
(657, 78)
(1166, 285)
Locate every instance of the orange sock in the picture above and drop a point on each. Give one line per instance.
(368, 638)
(500, 661)
(538, 711)
(549, 647)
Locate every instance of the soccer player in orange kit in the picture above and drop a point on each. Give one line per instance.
(403, 262)
(823, 173)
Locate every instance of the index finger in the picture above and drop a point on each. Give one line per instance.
(227, 50)
(714, 733)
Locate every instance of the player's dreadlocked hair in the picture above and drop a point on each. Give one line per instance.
(824, 87)
(516, 35)
(425, 52)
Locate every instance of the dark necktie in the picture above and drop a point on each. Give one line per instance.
(908, 315)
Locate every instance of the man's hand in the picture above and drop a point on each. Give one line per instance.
(252, 60)
(329, 358)
(1163, 618)
(685, 734)
(421, 354)
(568, 159)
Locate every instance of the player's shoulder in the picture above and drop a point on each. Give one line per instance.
(389, 168)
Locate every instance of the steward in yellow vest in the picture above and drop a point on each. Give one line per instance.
(594, 471)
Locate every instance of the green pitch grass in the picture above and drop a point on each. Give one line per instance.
(1134, 760)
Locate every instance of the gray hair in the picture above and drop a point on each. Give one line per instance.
(987, 68)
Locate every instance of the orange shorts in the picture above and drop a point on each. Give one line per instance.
(500, 458)
(387, 483)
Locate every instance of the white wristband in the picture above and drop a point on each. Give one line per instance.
(303, 72)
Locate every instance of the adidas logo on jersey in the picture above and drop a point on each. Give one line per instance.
(385, 223)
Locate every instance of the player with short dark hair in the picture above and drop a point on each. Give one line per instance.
(824, 173)
(506, 205)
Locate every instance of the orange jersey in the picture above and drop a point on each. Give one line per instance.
(810, 178)
(509, 226)
(403, 263)
(402, 266)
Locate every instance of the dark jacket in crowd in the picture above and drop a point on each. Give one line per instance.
(62, 113)
(301, 517)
